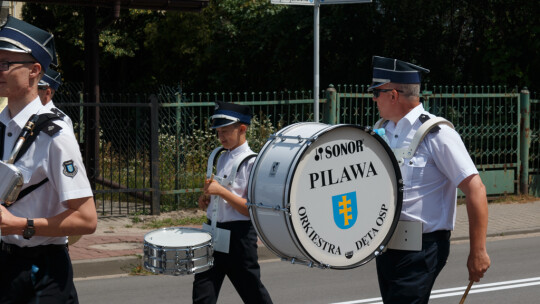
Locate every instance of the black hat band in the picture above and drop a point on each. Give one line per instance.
(52, 79)
(18, 38)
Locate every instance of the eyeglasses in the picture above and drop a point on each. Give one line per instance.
(377, 92)
(42, 87)
(4, 65)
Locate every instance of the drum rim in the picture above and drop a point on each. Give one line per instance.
(203, 244)
(399, 197)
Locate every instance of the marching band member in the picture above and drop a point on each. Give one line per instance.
(240, 264)
(431, 175)
(47, 86)
(57, 200)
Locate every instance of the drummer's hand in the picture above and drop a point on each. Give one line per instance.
(204, 200)
(212, 187)
(478, 263)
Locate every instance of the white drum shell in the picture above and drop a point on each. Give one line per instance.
(265, 191)
(178, 251)
(270, 191)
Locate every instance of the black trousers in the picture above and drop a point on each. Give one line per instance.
(240, 265)
(43, 275)
(407, 277)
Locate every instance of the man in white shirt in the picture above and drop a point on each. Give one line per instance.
(431, 177)
(56, 199)
(48, 85)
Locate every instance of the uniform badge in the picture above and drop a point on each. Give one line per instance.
(69, 168)
(345, 209)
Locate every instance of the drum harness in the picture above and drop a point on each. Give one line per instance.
(225, 181)
(429, 125)
(408, 234)
(28, 135)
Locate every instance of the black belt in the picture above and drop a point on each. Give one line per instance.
(31, 252)
(231, 224)
(436, 236)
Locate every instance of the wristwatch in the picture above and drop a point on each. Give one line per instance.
(29, 231)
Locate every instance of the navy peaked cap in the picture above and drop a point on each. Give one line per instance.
(387, 70)
(21, 37)
(52, 79)
(226, 113)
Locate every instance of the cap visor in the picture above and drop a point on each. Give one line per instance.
(6, 46)
(221, 122)
(375, 85)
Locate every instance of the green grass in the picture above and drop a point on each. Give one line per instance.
(170, 222)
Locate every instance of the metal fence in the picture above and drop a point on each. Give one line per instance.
(492, 121)
(153, 150)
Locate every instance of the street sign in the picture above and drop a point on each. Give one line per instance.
(321, 2)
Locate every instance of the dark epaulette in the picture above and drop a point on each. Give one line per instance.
(45, 124)
(423, 118)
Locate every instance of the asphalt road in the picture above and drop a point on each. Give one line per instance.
(514, 277)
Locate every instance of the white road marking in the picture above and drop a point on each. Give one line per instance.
(458, 291)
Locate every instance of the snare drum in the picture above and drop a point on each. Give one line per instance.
(325, 196)
(178, 251)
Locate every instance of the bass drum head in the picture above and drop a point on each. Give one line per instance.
(345, 197)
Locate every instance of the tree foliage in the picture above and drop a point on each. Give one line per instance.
(246, 45)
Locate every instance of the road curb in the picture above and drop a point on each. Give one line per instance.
(105, 266)
(125, 264)
(497, 234)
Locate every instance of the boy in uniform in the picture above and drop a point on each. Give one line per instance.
(227, 207)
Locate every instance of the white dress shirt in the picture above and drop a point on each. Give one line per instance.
(432, 175)
(55, 157)
(226, 212)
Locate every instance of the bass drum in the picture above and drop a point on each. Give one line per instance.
(327, 196)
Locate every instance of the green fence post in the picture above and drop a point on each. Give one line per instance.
(525, 131)
(178, 122)
(330, 107)
(154, 153)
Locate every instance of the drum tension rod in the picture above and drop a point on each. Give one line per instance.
(299, 138)
(261, 205)
(306, 263)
